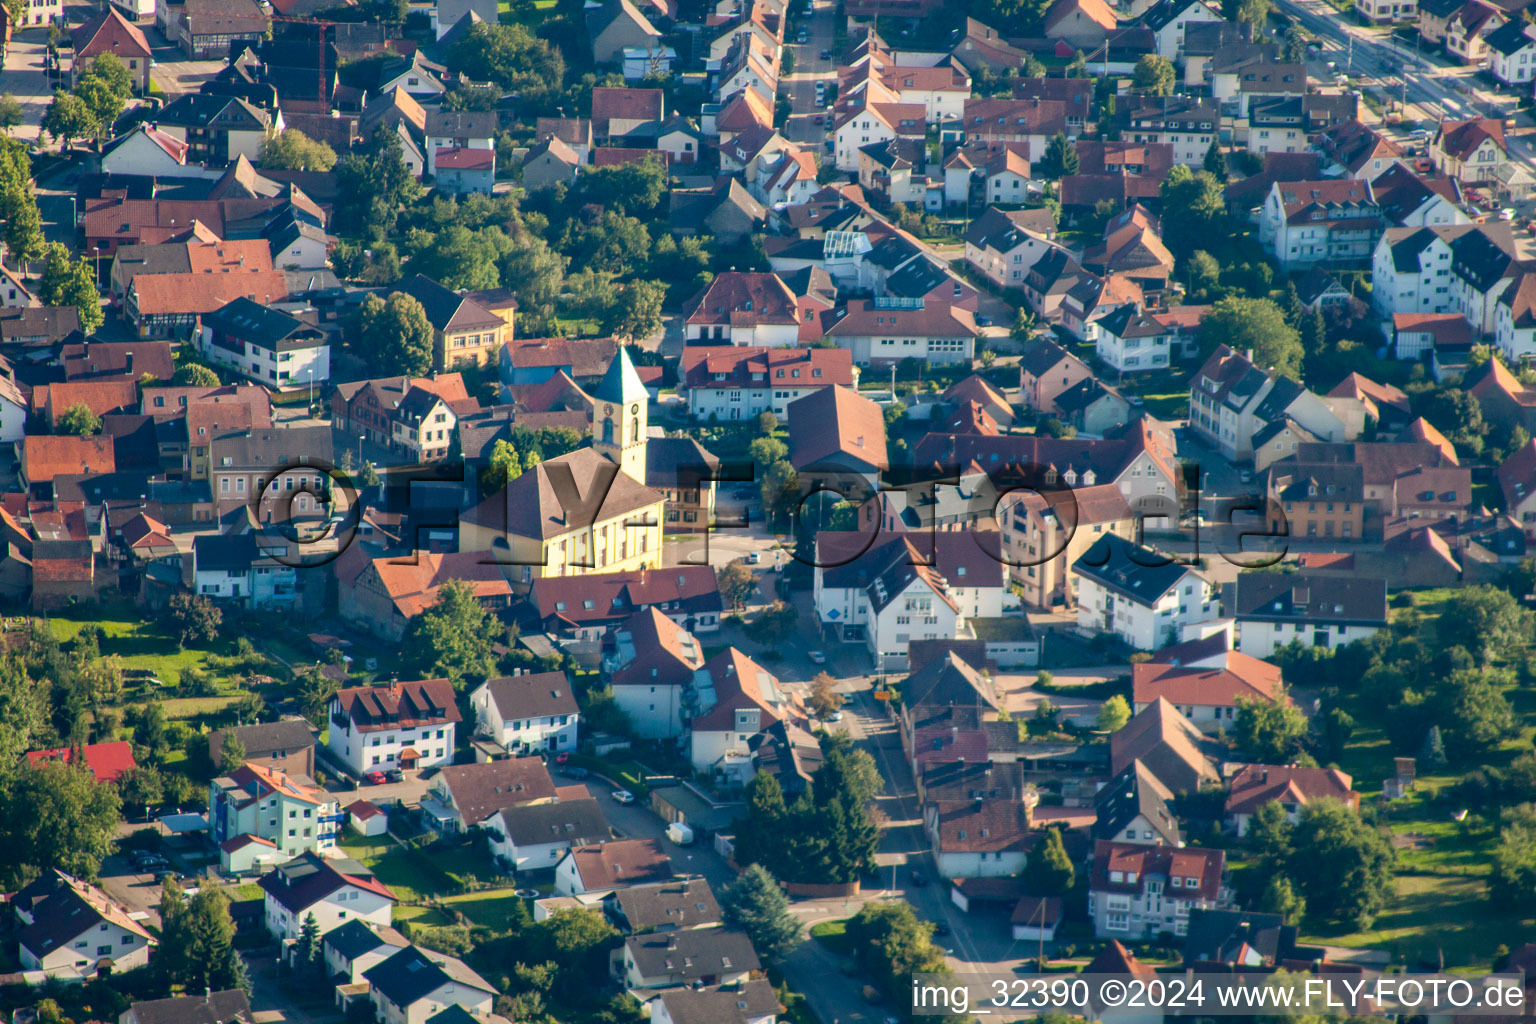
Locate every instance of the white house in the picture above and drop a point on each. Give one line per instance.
(882, 331)
(1515, 320)
(650, 667)
(267, 345)
(465, 796)
(1003, 244)
(334, 890)
(744, 308)
(1144, 597)
(233, 567)
(1169, 18)
(1307, 222)
(70, 930)
(1411, 270)
(1206, 694)
(1483, 266)
(400, 725)
(1470, 150)
(874, 122)
(1511, 53)
(981, 839)
(1316, 609)
(351, 949)
(13, 412)
(1138, 892)
(525, 713)
(533, 837)
(601, 868)
(416, 984)
(1130, 341)
(452, 130)
(729, 383)
(695, 956)
(736, 699)
(149, 151)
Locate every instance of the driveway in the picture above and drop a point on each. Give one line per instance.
(138, 893)
(809, 69)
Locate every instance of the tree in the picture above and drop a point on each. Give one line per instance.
(638, 313)
(11, 114)
(511, 57)
(1279, 897)
(292, 150)
(315, 692)
(104, 86)
(70, 282)
(68, 118)
(57, 816)
(1486, 620)
(1194, 211)
(765, 451)
(306, 953)
(759, 834)
(767, 423)
(774, 624)
(1061, 158)
(195, 619)
(824, 699)
(195, 375)
(1113, 714)
(1295, 44)
(1154, 75)
(505, 465)
(1215, 161)
(232, 754)
(198, 939)
(1269, 730)
(79, 420)
(1338, 727)
(373, 184)
(23, 223)
(735, 582)
(141, 787)
(757, 905)
(1512, 883)
(1342, 864)
(1269, 836)
(396, 335)
(891, 944)
(1254, 14)
(1255, 324)
(1048, 872)
(534, 272)
(1458, 415)
(1471, 714)
(453, 638)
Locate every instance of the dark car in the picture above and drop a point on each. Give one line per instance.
(394, 775)
(919, 879)
(940, 929)
(572, 771)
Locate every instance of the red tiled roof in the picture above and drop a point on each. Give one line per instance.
(466, 159)
(1254, 785)
(107, 761)
(44, 456)
(1244, 676)
(162, 294)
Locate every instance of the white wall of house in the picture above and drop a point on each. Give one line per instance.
(1260, 639)
(345, 904)
(380, 751)
(78, 958)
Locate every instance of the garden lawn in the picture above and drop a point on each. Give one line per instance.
(833, 935)
(495, 909)
(140, 643)
(421, 917)
(1434, 913)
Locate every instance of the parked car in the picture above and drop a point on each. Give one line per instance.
(394, 775)
(572, 771)
(754, 557)
(562, 757)
(836, 716)
(374, 778)
(623, 796)
(826, 54)
(817, 658)
(983, 321)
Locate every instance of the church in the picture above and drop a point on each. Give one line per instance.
(587, 511)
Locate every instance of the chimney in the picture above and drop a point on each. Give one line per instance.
(129, 363)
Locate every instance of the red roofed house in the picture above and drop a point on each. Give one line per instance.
(107, 761)
(1517, 482)
(169, 305)
(733, 383)
(837, 433)
(600, 868)
(101, 397)
(619, 111)
(880, 333)
(981, 838)
(1138, 892)
(461, 171)
(1206, 694)
(739, 701)
(401, 725)
(382, 595)
(1448, 335)
(367, 819)
(335, 891)
(1295, 786)
(1304, 223)
(145, 538)
(44, 456)
(110, 32)
(1469, 150)
(750, 309)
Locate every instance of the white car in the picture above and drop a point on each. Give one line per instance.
(836, 716)
(817, 658)
(623, 796)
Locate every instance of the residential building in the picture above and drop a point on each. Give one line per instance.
(464, 797)
(1309, 222)
(1411, 270)
(1179, 756)
(227, 1007)
(71, 931)
(107, 762)
(1003, 244)
(350, 949)
(382, 594)
(287, 745)
(1469, 150)
(267, 345)
(650, 662)
(1316, 500)
(1168, 19)
(882, 331)
(609, 866)
(1511, 53)
(1517, 482)
(663, 907)
(218, 130)
(1046, 371)
(837, 436)
(334, 890)
(707, 956)
(1313, 608)
(982, 838)
(582, 608)
(463, 329)
(1043, 537)
(1142, 596)
(751, 1002)
(1483, 266)
(1136, 808)
(289, 811)
(417, 985)
(1514, 320)
(236, 568)
(105, 32)
(1232, 403)
(1138, 892)
(535, 711)
(1293, 786)
(751, 309)
(1206, 694)
(734, 700)
(533, 837)
(1186, 124)
(399, 725)
(730, 383)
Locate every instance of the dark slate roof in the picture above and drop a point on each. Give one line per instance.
(945, 681)
(686, 903)
(445, 308)
(260, 325)
(1481, 259)
(265, 739)
(533, 695)
(1313, 597)
(410, 975)
(687, 955)
(574, 822)
(1130, 569)
(1135, 792)
(677, 461)
(353, 939)
(213, 1008)
(219, 552)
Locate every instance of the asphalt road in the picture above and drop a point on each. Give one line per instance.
(809, 69)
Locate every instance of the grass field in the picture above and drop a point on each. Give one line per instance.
(140, 643)
(490, 908)
(833, 935)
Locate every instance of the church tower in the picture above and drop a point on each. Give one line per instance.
(619, 421)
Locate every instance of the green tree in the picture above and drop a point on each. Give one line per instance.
(1486, 620)
(1270, 837)
(767, 423)
(232, 754)
(1194, 211)
(195, 619)
(68, 117)
(511, 57)
(891, 944)
(765, 451)
(105, 86)
(1215, 161)
(315, 692)
(824, 699)
(395, 335)
(373, 184)
(534, 272)
(638, 313)
(774, 624)
(757, 905)
(292, 150)
(23, 224)
(57, 816)
(1512, 883)
(1280, 897)
(1061, 158)
(1254, 14)
(1473, 716)
(306, 954)
(79, 420)
(505, 465)
(735, 582)
(1113, 714)
(150, 730)
(141, 787)
(579, 942)
(1295, 44)
(1154, 75)
(11, 114)
(453, 638)
(195, 375)
(1342, 864)
(71, 282)
(1458, 415)
(198, 940)
(1048, 872)
(759, 835)
(1338, 727)
(635, 189)
(1255, 324)
(1432, 753)
(1270, 731)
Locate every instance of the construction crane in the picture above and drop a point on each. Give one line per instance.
(323, 27)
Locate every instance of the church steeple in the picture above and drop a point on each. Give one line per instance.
(620, 420)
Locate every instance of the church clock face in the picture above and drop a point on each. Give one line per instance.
(634, 410)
